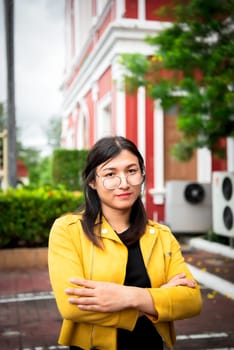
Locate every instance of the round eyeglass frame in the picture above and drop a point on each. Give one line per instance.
(120, 181)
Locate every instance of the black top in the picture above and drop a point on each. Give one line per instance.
(144, 335)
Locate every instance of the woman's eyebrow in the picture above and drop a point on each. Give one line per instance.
(107, 168)
(116, 168)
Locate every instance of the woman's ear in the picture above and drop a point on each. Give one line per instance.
(92, 184)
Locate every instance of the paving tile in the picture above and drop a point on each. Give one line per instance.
(31, 324)
(216, 264)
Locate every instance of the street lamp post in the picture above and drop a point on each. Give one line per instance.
(11, 123)
(4, 170)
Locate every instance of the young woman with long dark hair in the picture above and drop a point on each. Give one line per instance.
(119, 279)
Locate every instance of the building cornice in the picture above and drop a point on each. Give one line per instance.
(122, 36)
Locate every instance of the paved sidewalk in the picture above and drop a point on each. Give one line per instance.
(16, 281)
(215, 264)
(28, 315)
(212, 265)
(29, 319)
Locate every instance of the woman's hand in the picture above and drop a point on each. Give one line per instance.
(100, 296)
(109, 297)
(180, 280)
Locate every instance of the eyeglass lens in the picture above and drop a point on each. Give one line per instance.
(115, 181)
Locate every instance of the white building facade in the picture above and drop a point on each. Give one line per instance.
(95, 103)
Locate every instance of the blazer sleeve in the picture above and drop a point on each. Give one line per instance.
(65, 261)
(174, 303)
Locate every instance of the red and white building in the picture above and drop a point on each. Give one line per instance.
(95, 104)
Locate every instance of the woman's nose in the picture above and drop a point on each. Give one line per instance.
(124, 181)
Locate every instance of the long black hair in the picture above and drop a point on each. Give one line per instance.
(103, 150)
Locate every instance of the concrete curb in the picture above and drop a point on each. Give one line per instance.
(206, 278)
(213, 282)
(212, 247)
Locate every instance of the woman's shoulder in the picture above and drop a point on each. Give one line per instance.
(164, 234)
(159, 226)
(69, 218)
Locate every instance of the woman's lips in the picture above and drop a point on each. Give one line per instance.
(124, 195)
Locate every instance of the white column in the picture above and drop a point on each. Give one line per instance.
(120, 8)
(120, 103)
(158, 192)
(141, 120)
(94, 99)
(230, 153)
(120, 113)
(141, 7)
(83, 121)
(104, 127)
(204, 166)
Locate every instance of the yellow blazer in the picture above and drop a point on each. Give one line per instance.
(72, 254)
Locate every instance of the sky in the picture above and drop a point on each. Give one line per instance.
(39, 64)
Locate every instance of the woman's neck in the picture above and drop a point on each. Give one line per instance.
(118, 220)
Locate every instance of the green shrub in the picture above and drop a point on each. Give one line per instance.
(67, 168)
(26, 215)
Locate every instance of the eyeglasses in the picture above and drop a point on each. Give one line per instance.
(135, 178)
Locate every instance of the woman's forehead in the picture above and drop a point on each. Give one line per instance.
(123, 159)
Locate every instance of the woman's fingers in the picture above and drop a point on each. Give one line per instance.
(103, 296)
(180, 280)
(83, 283)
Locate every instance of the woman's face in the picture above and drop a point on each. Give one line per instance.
(118, 181)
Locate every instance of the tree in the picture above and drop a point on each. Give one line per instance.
(53, 132)
(39, 166)
(31, 158)
(45, 178)
(193, 66)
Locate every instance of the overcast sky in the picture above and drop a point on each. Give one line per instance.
(39, 63)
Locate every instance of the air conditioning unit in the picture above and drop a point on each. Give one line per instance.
(188, 206)
(223, 203)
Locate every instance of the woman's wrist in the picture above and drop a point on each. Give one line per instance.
(141, 300)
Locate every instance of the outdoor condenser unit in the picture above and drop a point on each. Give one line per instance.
(188, 206)
(223, 203)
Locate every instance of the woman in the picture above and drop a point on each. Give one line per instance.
(119, 279)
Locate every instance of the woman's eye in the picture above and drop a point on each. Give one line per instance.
(109, 175)
(132, 171)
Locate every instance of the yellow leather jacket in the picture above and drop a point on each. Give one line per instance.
(72, 254)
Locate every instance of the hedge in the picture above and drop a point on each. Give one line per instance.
(26, 216)
(67, 168)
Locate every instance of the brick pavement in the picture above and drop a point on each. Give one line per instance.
(13, 281)
(33, 323)
(212, 329)
(216, 264)
(29, 323)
